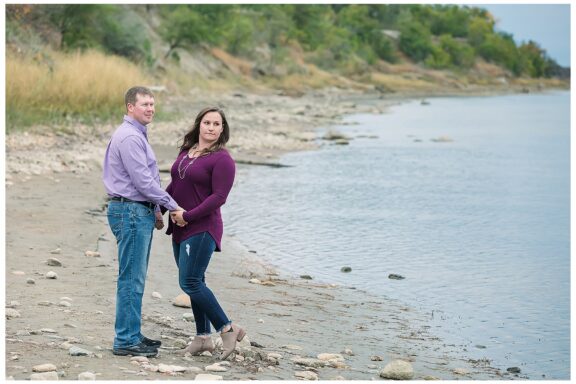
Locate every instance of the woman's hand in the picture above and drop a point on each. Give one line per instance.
(177, 218)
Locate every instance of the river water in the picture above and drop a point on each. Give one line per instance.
(477, 222)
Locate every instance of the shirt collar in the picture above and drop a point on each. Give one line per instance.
(135, 123)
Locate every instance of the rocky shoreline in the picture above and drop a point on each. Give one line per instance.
(61, 272)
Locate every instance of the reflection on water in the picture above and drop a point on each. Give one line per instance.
(479, 226)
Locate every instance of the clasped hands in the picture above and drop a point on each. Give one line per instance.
(177, 217)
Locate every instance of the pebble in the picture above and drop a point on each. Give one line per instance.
(348, 352)
(308, 362)
(345, 269)
(306, 277)
(44, 376)
(260, 321)
(430, 377)
(208, 377)
(513, 370)
(51, 275)
(46, 303)
(275, 355)
(376, 358)
(194, 370)
(254, 281)
(182, 300)
(460, 371)
(22, 333)
(395, 276)
(56, 251)
(30, 281)
(11, 313)
(330, 356)
(164, 368)
(18, 273)
(306, 375)
(77, 351)
(398, 370)
(292, 347)
(188, 316)
(180, 343)
(92, 254)
(64, 304)
(44, 368)
(54, 262)
(215, 368)
(149, 367)
(48, 330)
(13, 303)
(139, 359)
(268, 283)
(65, 298)
(156, 295)
(86, 376)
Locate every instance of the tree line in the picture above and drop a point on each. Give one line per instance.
(338, 37)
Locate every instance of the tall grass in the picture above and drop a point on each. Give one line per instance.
(54, 87)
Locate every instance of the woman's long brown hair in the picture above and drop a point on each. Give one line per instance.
(193, 137)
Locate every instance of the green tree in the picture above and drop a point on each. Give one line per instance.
(184, 27)
(478, 29)
(534, 59)
(415, 41)
(437, 58)
(461, 54)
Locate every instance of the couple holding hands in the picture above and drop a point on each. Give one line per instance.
(202, 177)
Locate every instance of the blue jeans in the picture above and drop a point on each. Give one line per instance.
(132, 225)
(192, 257)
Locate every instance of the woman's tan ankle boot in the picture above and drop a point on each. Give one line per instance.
(199, 345)
(229, 340)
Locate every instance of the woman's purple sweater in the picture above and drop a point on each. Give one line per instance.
(202, 191)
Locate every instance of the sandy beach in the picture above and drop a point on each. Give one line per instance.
(297, 329)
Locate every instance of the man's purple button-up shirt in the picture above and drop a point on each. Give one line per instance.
(130, 168)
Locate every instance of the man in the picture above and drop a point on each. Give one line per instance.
(132, 181)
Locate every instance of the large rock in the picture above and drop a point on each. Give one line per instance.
(44, 376)
(51, 275)
(306, 375)
(12, 313)
(44, 368)
(182, 300)
(398, 370)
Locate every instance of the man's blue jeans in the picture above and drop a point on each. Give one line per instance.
(132, 225)
(192, 257)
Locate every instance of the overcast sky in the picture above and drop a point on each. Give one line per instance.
(548, 25)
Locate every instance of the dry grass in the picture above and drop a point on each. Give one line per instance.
(55, 85)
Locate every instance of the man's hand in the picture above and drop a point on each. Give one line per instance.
(178, 218)
(159, 224)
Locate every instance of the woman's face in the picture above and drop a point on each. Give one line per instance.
(210, 128)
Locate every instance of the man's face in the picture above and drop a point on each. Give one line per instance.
(143, 110)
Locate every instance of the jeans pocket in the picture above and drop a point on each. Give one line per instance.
(140, 210)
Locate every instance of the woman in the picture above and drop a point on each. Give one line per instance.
(202, 177)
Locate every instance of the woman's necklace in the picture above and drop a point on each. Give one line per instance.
(182, 172)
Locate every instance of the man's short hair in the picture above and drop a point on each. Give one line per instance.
(130, 97)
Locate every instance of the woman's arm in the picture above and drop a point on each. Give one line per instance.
(222, 181)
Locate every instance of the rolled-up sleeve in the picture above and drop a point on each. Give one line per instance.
(135, 161)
